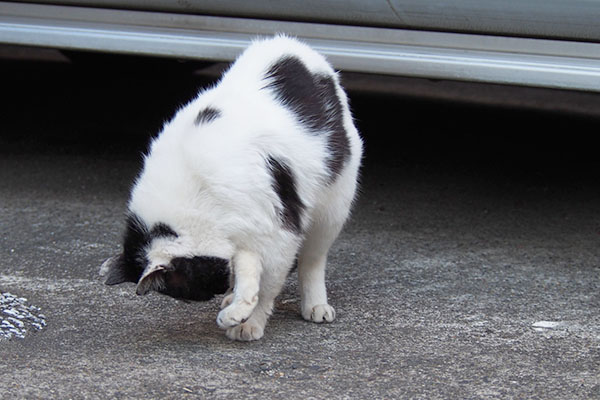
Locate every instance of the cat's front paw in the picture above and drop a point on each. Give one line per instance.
(227, 300)
(319, 313)
(248, 331)
(233, 315)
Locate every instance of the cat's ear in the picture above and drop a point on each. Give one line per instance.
(114, 269)
(152, 279)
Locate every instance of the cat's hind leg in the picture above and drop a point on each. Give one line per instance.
(326, 223)
(312, 261)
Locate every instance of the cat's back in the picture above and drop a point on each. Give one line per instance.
(280, 100)
(276, 124)
(254, 63)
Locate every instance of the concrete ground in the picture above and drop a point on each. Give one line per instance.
(470, 267)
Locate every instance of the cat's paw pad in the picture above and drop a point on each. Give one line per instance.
(249, 330)
(319, 313)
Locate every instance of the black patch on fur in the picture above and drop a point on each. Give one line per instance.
(162, 230)
(130, 265)
(189, 278)
(314, 100)
(284, 185)
(195, 278)
(207, 115)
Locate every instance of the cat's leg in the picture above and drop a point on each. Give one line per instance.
(228, 296)
(227, 299)
(327, 222)
(271, 284)
(312, 261)
(240, 304)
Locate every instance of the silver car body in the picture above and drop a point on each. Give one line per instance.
(543, 43)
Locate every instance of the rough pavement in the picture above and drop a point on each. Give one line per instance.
(470, 268)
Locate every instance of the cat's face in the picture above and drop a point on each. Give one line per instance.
(150, 259)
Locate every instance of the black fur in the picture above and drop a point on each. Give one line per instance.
(162, 230)
(191, 278)
(129, 266)
(313, 98)
(207, 115)
(195, 278)
(284, 185)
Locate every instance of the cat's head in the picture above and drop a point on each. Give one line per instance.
(157, 258)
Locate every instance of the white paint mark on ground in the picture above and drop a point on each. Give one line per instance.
(542, 326)
(17, 317)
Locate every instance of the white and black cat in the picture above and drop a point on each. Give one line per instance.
(254, 174)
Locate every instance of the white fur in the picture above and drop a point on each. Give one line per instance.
(210, 183)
